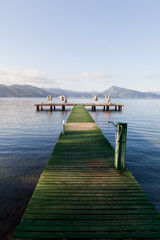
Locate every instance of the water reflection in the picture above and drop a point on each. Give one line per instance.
(107, 115)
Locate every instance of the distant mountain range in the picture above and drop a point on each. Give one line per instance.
(30, 91)
(127, 93)
(21, 91)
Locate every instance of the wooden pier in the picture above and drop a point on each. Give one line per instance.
(80, 195)
(52, 106)
(105, 107)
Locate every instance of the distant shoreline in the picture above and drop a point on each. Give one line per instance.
(145, 98)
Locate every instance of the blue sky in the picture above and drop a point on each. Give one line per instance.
(82, 45)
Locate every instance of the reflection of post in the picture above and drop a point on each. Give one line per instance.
(95, 116)
(107, 116)
(120, 148)
(63, 127)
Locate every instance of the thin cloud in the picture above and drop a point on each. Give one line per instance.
(83, 81)
(86, 81)
(93, 76)
(17, 75)
(155, 76)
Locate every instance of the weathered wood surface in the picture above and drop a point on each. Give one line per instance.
(81, 196)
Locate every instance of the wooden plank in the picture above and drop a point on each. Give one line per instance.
(91, 211)
(92, 216)
(88, 235)
(88, 222)
(90, 228)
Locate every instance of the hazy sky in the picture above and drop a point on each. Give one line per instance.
(80, 44)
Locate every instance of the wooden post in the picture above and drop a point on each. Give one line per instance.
(107, 108)
(41, 107)
(104, 108)
(37, 108)
(63, 127)
(115, 108)
(54, 107)
(120, 148)
(63, 108)
(51, 108)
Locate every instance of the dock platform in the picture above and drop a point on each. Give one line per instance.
(105, 106)
(80, 195)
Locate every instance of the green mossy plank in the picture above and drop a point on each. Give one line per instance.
(32, 208)
(37, 202)
(75, 199)
(92, 216)
(91, 211)
(89, 235)
(86, 195)
(132, 222)
(89, 228)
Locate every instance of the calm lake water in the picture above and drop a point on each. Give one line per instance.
(27, 139)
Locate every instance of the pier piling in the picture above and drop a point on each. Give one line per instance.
(120, 146)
